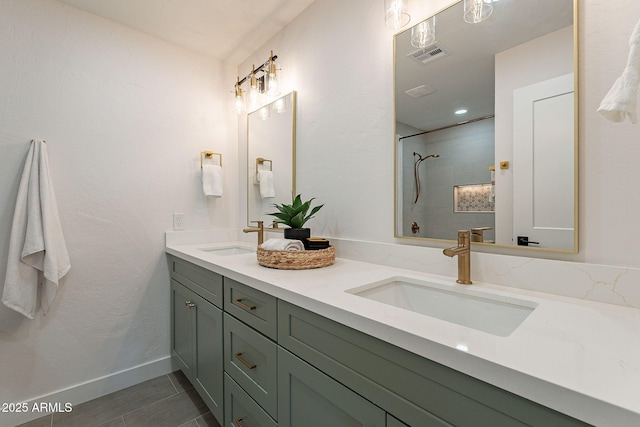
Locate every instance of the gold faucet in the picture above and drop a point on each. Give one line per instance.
(463, 251)
(259, 229)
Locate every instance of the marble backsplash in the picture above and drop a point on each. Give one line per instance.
(601, 283)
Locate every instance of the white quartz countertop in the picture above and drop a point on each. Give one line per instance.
(579, 357)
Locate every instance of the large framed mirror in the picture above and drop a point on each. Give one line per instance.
(271, 157)
(486, 126)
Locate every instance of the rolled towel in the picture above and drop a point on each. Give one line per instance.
(212, 180)
(267, 189)
(283, 245)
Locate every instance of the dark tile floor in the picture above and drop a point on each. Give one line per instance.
(166, 401)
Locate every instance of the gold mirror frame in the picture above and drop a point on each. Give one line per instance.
(397, 166)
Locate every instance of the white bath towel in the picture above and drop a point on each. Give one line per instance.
(212, 180)
(38, 256)
(267, 187)
(283, 245)
(622, 98)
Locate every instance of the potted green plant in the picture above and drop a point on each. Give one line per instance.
(295, 216)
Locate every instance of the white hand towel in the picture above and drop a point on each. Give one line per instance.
(267, 188)
(283, 245)
(212, 180)
(38, 256)
(622, 98)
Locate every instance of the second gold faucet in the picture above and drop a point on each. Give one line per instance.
(259, 229)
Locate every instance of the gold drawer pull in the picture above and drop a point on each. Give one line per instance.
(238, 421)
(244, 362)
(239, 303)
(189, 304)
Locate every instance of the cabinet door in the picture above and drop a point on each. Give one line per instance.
(182, 326)
(309, 398)
(208, 377)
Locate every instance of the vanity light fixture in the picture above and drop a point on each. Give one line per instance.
(476, 11)
(396, 13)
(424, 33)
(260, 85)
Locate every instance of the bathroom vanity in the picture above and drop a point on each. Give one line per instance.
(279, 347)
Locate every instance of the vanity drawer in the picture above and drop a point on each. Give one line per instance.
(253, 307)
(251, 360)
(240, 409)
(200, 280)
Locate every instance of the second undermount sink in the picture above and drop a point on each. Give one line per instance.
(496, 314)
(229, 250)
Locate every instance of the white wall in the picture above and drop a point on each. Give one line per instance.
(338, 56)
(125, 116)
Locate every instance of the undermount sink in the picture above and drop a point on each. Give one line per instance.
(229, 250)
(495, 314)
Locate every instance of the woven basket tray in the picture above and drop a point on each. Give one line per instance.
(296, 260)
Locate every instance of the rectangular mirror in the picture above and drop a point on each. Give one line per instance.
(271, 146)
(486, 126)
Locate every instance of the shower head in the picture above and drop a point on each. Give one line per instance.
(421, 158)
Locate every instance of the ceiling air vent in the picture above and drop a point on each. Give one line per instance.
(419, 91)
(431, 53)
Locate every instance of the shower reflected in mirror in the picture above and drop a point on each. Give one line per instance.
(417, 159)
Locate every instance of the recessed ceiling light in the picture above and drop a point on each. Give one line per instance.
(461, 111)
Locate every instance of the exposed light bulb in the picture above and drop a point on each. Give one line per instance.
(239, 104)
(279, 106)
(254, 91)
(273, 86)
(424, 33)
(396, 15)
(476, 11)
(264, 113)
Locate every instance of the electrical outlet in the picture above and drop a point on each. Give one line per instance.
(178, 221)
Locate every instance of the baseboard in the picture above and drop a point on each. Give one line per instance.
(65, 399)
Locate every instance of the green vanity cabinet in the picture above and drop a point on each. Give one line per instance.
(266, 362)
(309, 398)
(412, 389)
(196, 331)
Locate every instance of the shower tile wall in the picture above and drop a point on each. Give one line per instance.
(466, 152)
